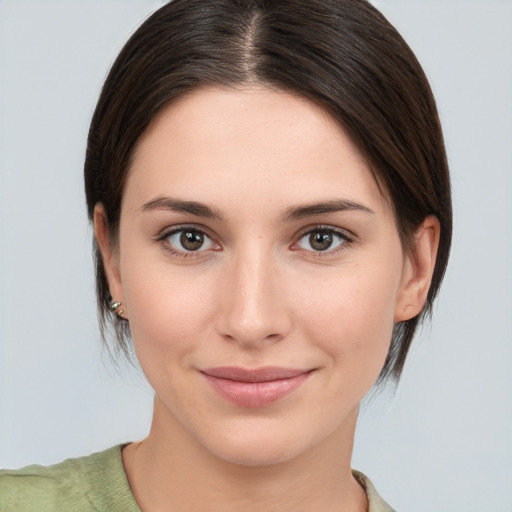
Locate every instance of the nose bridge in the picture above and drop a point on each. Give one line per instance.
(253, 308)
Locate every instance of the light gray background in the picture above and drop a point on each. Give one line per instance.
(443, 443)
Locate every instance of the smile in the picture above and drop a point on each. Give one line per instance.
(255, 388)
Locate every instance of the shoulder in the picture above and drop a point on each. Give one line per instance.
(375, 502)
(84, 484)
(44, 487)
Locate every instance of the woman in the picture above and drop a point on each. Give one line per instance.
(271, 205)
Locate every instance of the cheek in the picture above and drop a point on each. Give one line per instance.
(352, 319)
(167, 306)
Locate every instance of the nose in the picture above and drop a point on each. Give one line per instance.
(253, 310)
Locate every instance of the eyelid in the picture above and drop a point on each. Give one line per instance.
(346, 235)
(167, 232)
(344, 232)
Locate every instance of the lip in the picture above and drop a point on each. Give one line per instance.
(256, 387)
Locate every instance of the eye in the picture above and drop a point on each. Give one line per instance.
(322, 239)
(187, 240)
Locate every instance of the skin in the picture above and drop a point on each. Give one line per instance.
(257, 293)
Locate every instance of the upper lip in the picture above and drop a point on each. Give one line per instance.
(265, 374)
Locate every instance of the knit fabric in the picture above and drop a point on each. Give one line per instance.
(96, 483)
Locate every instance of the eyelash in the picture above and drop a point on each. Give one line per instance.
(342, 236)
(345, 239)
(163, 239)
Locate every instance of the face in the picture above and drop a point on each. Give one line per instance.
(261, 272)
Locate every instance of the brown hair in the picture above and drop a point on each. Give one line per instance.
(341, 54)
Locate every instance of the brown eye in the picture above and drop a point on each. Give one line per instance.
(191, 240)
(320, 240)
(323, 240)
(184, 241)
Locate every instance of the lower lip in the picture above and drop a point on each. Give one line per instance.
(256, 394)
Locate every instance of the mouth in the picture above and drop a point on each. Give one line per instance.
(255, 388)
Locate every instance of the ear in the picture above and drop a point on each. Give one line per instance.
(109, 253)
(418, 269)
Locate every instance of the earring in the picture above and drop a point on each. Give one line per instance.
(115, 307)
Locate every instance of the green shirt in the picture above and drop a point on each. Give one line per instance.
(96, 483)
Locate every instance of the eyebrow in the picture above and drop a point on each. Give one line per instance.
(309, 210)
(177, 205)
(293, 213)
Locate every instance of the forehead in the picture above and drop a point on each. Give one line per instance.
(255, 142)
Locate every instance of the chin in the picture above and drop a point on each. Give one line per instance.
(260, 444)
(257, 454)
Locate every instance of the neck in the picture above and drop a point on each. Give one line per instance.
(170, 470)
